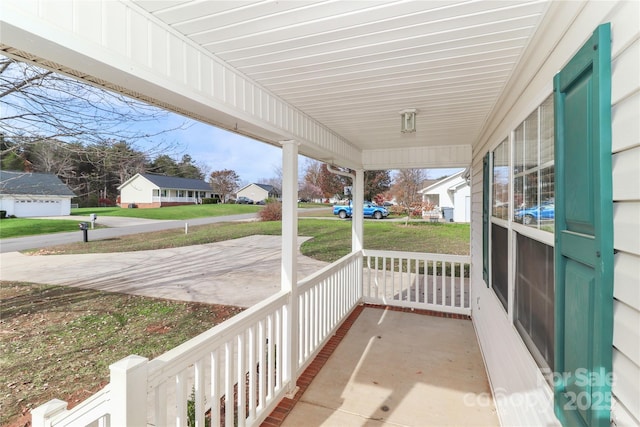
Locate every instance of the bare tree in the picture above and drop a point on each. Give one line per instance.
(312, 172)
(276, 180)
(224, 182)
(39, 105)
(405, 190)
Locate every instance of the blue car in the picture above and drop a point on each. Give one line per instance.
(536, 214)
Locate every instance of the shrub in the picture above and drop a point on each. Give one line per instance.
(210, 201)
(272, 211)
(104, 202)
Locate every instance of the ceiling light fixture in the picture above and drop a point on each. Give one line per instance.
(408, 120)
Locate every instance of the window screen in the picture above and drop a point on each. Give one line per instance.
(500, 263)
(534, 298)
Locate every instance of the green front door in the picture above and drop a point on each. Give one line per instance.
(584, 235)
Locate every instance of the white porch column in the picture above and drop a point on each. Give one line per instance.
(357, 217)
(289, 281)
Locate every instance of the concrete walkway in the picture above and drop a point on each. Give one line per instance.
(240, 272)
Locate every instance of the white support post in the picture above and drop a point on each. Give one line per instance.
(289, 281)
(129, 391)
(357, 223)
(41, 416)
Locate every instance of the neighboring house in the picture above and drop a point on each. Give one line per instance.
(452, 192)
(147, 190)
(258, 192)
(28, 194)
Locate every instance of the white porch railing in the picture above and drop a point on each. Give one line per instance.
(234, 373)
(176, 199)
(435, 282)
(325, 299)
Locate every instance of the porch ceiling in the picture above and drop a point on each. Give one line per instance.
(354, 65)
(331, 74)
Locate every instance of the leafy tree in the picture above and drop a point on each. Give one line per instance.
(164, 165)
(12, 161)
(332, 184)
(188, 169)
(376, 182)
(309, 191)
(224, 182)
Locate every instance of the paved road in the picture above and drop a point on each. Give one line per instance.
(118, 227)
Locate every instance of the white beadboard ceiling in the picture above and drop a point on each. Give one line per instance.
(354, 65)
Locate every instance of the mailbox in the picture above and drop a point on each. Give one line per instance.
(93, 217)
(84, 227)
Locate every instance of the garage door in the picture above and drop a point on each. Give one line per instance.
(28, 208)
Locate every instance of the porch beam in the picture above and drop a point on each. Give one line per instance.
(289, 276)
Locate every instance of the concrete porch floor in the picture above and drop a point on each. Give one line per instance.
(394, 368)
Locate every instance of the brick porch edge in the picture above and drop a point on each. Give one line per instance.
(285, 406)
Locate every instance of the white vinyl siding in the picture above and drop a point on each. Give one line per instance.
(138, 190)
(625, 110)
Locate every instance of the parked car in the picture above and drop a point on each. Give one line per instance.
(371, 210)
(244, 200)
(536, 214)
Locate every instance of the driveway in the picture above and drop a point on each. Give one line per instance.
(240, 272)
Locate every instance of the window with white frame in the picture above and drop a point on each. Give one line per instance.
(501, 180)
(522, 176)
(533, 169)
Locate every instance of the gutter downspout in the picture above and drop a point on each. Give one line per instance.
(357, 216)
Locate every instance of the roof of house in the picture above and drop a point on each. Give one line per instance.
(444, 180)
(266, 187)
(31, 183)
(163, 181)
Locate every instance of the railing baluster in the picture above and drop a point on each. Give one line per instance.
(215, 388)
(228, 384)
(241, 380)
(160, 409)
(198, 389)
(434, 284)
(181, 399)
(278, 349)
(262, 390)
(253, 378)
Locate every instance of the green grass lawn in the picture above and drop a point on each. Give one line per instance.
(17, 227)
(170, 212)
(331, 238)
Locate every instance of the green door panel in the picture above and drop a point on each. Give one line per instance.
(584, 236)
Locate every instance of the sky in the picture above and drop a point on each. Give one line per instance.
(217, 149)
